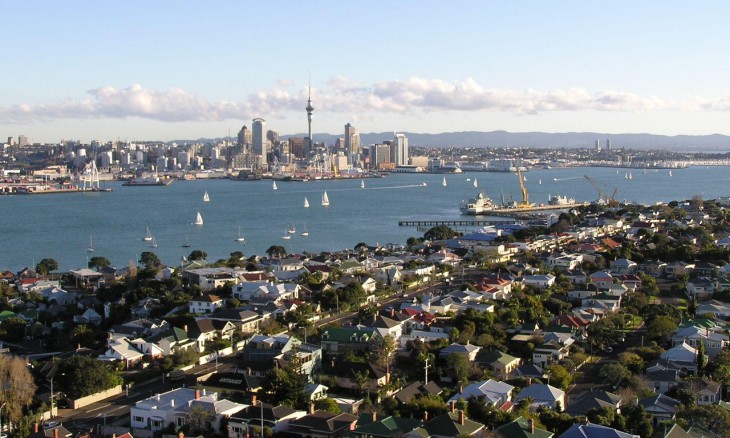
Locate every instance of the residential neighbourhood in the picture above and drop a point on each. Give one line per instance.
(611, 321)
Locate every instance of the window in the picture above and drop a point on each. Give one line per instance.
(138, 419)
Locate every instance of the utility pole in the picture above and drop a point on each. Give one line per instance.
(425, 369)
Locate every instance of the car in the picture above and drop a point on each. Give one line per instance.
(608, 349)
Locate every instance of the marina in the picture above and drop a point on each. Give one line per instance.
(117, 220)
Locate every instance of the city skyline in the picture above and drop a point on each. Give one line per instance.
(168, 70)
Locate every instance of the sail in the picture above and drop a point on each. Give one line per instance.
(199, 219)
(306, 202)
(325, 199)
(273, 186)
(443, 183)
(148, 237)
(362, 184)
(475, 182)
(206, 198)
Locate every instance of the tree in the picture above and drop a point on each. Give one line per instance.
(660, 327)
(198, 255)
(286, 385)
(440, 232)
(276, 251)
(559, 376)
(80, 376)
(150, 260)
(458, 365)
(637, 420)
(614, 373)
(198, 420)
(701, 358)
(18, 387)
(98, 262)
(382, 352)
(327, 404)
(45, 266)
(711, 417)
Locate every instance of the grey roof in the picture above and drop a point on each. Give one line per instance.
(594, 431)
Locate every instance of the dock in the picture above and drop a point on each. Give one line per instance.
(466, 223)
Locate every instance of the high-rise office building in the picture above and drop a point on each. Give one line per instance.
(22, 141)
(244, 136)
(399, 150)
(352, 143)
(608, 144)
(259, 141)
(379, 153)
(598, 145)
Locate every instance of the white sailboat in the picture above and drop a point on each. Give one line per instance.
(240, 237)
(475, 182)
(91, 245)
(443, 183)
(148, 237)
(362, 183)
(306, 202)
(154, 243)
(286, 236)
(325, 199)
(273, 186)
(292, 230)
(206, 198)
(304, 233)
(670, 173)
(198, 219)
(186, 244)
(539, 181)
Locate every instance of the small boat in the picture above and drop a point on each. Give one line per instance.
(468, 179)
(240, 237)
(91, 245)
(539, 181)
(206, 198)
(154, 243)
(325, 199)
(292, 230)
(524, 178)
(362, 183)
(423, 184)
(670, 173)
(306, 202)
(555, 179)
(443, 183)
(186, 244)
(304, 233)
(148, 237)
(286, 236)
(475, 182)
(273, 186)
(198, 219)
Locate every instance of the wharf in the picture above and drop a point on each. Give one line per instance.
(473, 223)
(25, 191)
(519, 210)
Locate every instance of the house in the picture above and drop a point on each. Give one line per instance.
(700, 288)
(662, 380)
(495, 287)
(655, 268)
(501, 364)
(208, 303)
(596, 399)
(337, 340)
(521, 428)
(660, 407)
(683, 355)
(470, 351)
(674, 269)
(603, 303)
(262, 348)
(346, 373)
(125, 351)
(156, 412)
(591, 430)
(717, 308)
(273, 291)
(369, 425)
(275, 417)
(321, 424)
(247, 321)
(542, 281)
(450, 424)
(623, 266)
(415, 390)
(211, 278)
(713, 341)
(171, 340)
(550, 351)
(90, 316)
(495, 393)
(542, 396)
(708, 391)
(601, 279)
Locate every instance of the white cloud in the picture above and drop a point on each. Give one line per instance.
(341, 95)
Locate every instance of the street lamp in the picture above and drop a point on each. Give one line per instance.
(1, 420)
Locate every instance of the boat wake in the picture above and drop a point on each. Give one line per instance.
(566, 179)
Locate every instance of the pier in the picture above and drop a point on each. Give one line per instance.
(468, 223)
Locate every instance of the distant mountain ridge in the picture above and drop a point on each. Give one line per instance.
(688, 143)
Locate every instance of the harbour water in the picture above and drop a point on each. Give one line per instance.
(63, 226)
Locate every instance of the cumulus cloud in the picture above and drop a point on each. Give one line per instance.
(414, 95)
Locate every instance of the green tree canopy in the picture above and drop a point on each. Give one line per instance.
(440, 232)
(45, 266)
(150, 260)
(276, 251)
(197, 255)
(79, 376)
(18, 387)
(98, 262)
(659, 328)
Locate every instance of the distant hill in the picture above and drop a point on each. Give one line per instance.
(688, 143)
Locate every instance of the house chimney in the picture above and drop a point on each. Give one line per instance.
(392, 312)
(35, 427)
(197, 394)
(461, 417)
(531, 425)
(204, 393)
(55, 432)
(185, 327)
(172, 403)
(375, 416)
(248, 371)
(114, 435)
(425, 415)
(311, 408)
(181, 435)
(253, 400)
(78, 346)
(453, 406)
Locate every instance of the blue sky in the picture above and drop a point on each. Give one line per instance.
(181, 69)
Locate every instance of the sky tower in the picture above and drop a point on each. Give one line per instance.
(310, 110)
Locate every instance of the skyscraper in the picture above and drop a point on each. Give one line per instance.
(259, 141)
(244, 136)
(399, 150)
(310, 110)
(352, 143)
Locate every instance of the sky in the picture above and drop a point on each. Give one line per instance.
(166, 70)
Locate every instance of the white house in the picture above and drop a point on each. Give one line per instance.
(206, 304)
(542, 281)
(542, 396)
(259, 289)
(495, 393)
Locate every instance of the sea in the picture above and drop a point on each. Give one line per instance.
(64, 226)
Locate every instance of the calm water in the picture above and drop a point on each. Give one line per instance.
(62, 226)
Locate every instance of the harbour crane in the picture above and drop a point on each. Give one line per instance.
(525, 197)
(610, 200)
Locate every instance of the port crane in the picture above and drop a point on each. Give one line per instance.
(525, 196)
(610, 200)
